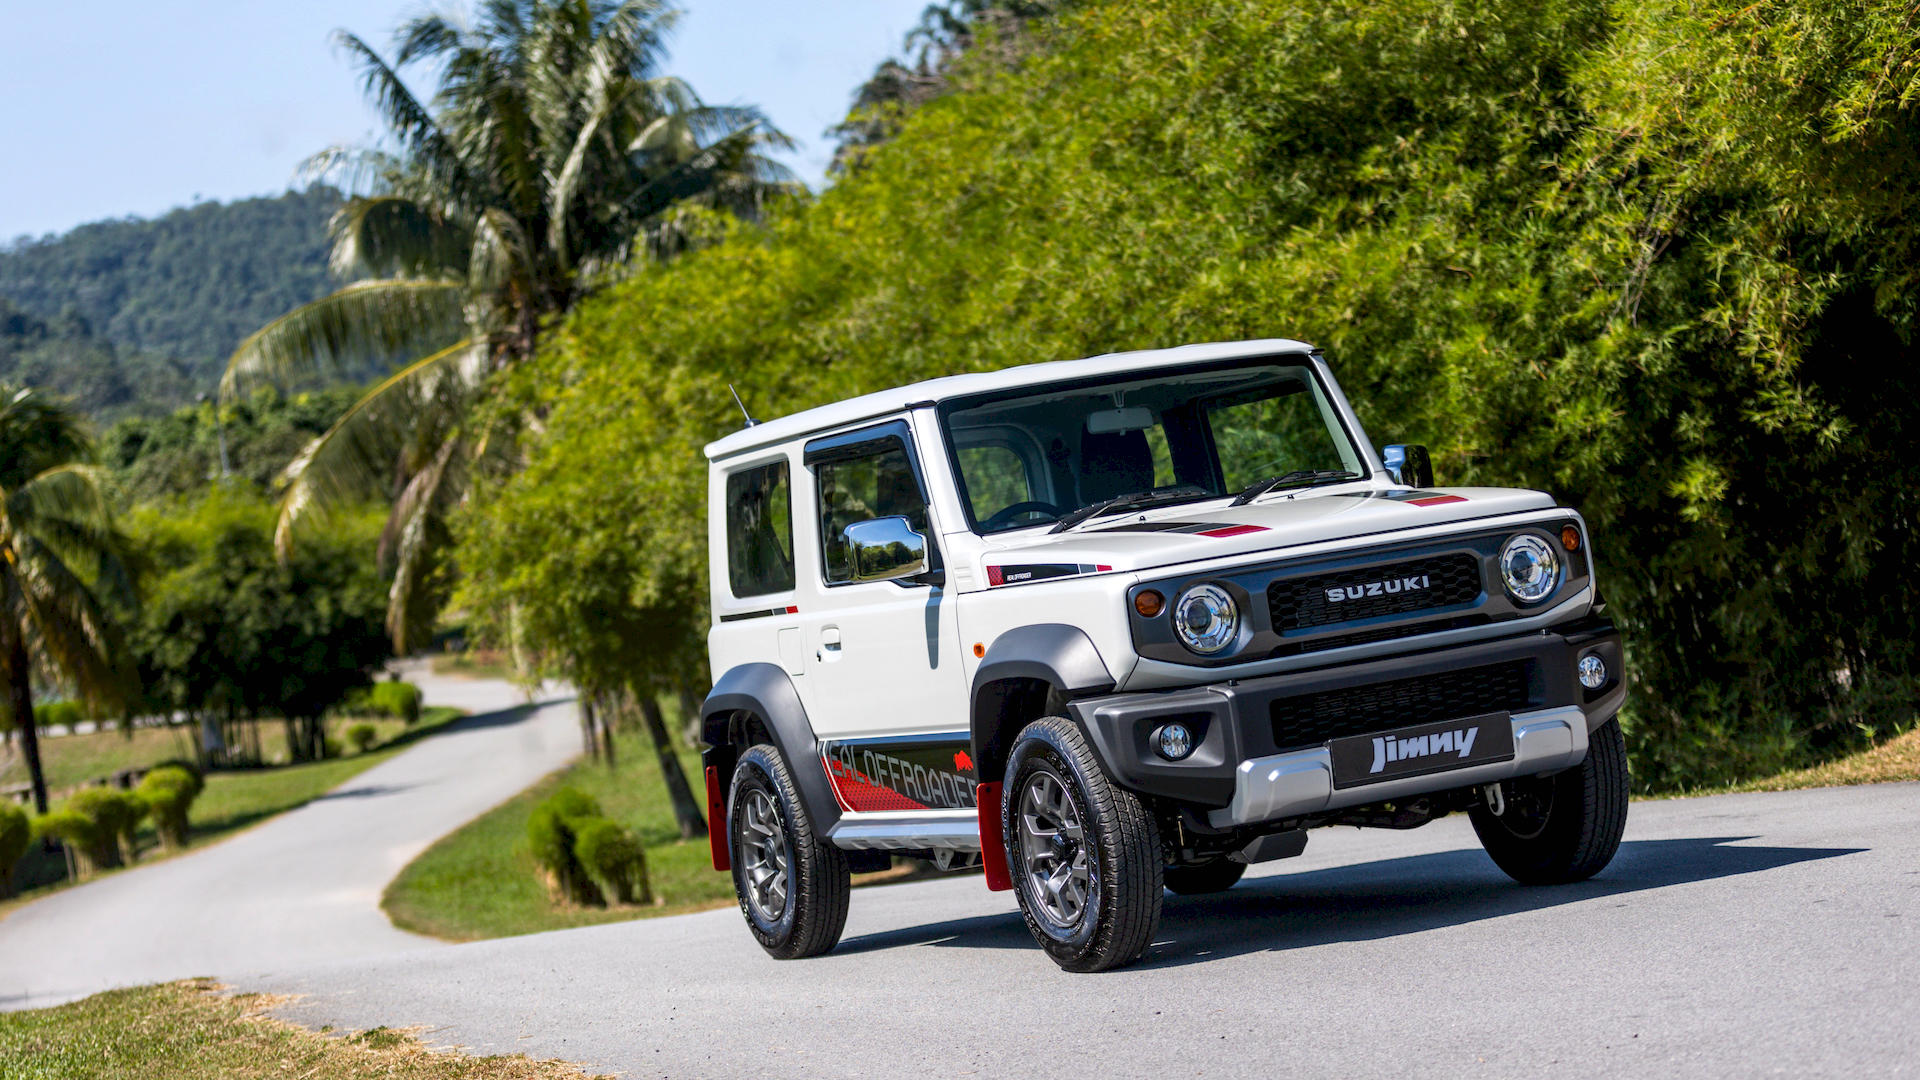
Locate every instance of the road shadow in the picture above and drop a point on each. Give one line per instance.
(501, 717)
(364, 791)
(1373, 900)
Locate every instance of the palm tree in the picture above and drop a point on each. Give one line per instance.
(56, 535)
(554, 156)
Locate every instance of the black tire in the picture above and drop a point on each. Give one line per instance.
(1562, 828)
(766, 820)
(1197, 880)
(1113, 867)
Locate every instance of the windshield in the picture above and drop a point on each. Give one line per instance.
(1035, 456)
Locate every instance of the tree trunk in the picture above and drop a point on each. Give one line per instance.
(607, 713)
(686, 811)
(589, 716)
(690, 712)
(20, 696)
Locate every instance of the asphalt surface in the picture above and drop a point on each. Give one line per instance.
(302, 888)
(1737, 936)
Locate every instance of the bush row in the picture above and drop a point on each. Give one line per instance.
(100, 825)
(400, 700)
(586, 857)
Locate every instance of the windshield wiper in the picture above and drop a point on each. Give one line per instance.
(1296, 478)
(1122, 502)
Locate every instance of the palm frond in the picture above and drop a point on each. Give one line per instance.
(428, 147)
(391, 236)
(358, 324)
(66, 628)
(417, 406)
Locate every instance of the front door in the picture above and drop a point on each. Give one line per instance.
(883, 656)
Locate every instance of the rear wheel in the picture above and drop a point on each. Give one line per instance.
(1084, 854)
(1217, 876)
(1563, 828)
(792, 883)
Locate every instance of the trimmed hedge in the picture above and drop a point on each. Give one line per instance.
(360, 736)
(90, 843)
(400, 700)
(60, 714)
(118, 813)
(168, 792)
(586, 856)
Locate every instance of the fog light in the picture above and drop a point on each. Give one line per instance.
(1593, 671)
(1174, 741)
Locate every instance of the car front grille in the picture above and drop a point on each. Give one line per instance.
(1312, 719)
(1301, 603)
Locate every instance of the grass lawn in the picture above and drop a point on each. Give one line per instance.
(234, 800)
(481, 881)
(1894, 760)
(191, 1031)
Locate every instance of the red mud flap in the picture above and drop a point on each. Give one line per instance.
(717, 823)
(993, 839)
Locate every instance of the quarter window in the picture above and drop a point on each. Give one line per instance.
(874, 485)
(760, 530)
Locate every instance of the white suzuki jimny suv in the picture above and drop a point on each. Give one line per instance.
(1115, 625)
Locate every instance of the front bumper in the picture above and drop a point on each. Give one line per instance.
(1262, 753)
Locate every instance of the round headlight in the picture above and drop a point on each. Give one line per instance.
(1206, 619)
(1530, 567)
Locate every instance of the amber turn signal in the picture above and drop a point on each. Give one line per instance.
(979, 648)
(1570, 538)
(1149, 603)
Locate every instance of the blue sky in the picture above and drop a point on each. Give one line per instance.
(114, 108)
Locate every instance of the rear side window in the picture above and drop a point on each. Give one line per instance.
(760, 530)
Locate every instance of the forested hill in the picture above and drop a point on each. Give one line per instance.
(188, 284)
(105, 381)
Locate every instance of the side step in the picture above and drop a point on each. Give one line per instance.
(896, 830)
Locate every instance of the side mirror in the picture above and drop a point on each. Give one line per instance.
(1409, 465)
(884, 549)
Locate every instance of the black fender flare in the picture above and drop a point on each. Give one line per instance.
(1058, 655)
(765, 692)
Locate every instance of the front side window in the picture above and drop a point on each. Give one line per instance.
(759, 530)
(877, 484)
(1186, 434)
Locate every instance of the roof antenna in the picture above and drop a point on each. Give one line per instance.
(743, 405)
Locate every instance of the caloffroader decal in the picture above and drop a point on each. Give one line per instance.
(1025, 572)
(788, 610)
(913, 772)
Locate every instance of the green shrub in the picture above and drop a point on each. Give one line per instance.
(168, 792)
(86, 838)
(552, 833)
(361, 735)
(118, 813)
(400, 700)
(16, 833)
(58, 714)
(614, 858)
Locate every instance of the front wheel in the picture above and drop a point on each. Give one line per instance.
(793, 884)
(1084, 854)
(1559, 829)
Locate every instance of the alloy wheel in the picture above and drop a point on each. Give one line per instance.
(762, 840)
(1054, 849)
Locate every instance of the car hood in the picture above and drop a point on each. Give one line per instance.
(1166, 536)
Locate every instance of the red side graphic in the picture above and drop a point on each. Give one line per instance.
(996, 576)
(993, 840)
(1436, 500)
(857, 791)
(1233, 530)
(717, 821)
(962, 762)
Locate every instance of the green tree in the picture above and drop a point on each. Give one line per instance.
(553, 156)
(231, 633)
(1655, 258)
(59, 555)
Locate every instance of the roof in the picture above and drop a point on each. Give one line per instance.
(888, 402)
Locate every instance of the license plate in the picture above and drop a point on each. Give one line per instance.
(1417, 751)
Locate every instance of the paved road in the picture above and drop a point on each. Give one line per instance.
(303, 888)
(1735, 936)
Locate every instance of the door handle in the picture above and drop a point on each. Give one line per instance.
(829, 644)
